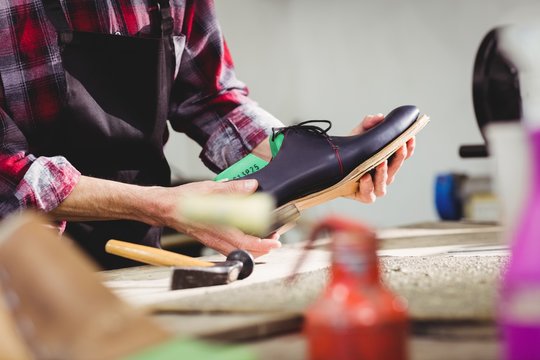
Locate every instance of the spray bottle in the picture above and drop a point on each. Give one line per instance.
(519, 302)
(356, 317)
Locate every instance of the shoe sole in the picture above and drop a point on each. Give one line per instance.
(287, 214)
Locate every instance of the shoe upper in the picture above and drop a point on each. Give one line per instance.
(309, 161)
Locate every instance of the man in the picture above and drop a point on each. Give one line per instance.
(86, 89)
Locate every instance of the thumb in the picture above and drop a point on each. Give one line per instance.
(372, 120)
(239, 186)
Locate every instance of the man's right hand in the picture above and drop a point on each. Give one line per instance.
(98, 199)
(221, 238)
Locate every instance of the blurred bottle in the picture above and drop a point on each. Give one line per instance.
(519, 304)
(357, 317)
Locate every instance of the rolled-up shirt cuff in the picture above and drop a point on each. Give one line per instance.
(243, 129)
(46, 183)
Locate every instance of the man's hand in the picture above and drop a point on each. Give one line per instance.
(220, 238)
(98, 199)
(369, 187)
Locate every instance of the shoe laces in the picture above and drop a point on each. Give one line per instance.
(305, 125)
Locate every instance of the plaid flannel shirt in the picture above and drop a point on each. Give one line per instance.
(209, 104)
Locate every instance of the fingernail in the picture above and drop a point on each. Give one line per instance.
(380, 114)
(250, 184)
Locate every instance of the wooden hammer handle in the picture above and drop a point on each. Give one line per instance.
(151, 255)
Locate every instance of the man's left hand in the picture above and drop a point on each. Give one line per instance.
(370, 187)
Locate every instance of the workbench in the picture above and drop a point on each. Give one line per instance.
(447, 272)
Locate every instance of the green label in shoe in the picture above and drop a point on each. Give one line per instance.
(245, 166)
(250, 163)
(275, 144)
(191, 349)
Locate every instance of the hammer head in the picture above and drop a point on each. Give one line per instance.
(239, 265)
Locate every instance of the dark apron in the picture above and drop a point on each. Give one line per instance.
(113, 122)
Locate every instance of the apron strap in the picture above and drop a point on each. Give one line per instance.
(56, 15)
(161, 21)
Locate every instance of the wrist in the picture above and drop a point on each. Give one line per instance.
(155, 207)
(263, 150)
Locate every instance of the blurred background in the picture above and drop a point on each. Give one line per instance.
(340, 60)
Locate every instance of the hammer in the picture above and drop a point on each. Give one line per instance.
(188, 272)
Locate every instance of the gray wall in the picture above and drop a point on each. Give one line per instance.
(340, 60)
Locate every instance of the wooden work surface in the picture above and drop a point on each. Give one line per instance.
(450, 286)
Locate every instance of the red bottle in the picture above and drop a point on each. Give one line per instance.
(357, 317)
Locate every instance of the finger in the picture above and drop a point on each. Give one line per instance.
(372, 121)
(226, 239)
(274, 236)
(256, 254)
(368, 122)
(411, 144)
(397, 160)
(237, 187)
(381, 176)
(358, 129)
(366, 189)
(212, 238)
(260, 245)
(252, 245)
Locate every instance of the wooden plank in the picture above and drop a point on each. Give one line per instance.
(446, 286)
(267, 289)
(433, 234)
(448, 281)
(441, 233)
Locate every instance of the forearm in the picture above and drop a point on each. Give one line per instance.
(99, 199)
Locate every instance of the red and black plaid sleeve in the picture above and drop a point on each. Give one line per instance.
(29, 92)
(209, 103)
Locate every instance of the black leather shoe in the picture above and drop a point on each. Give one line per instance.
(312, 167)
